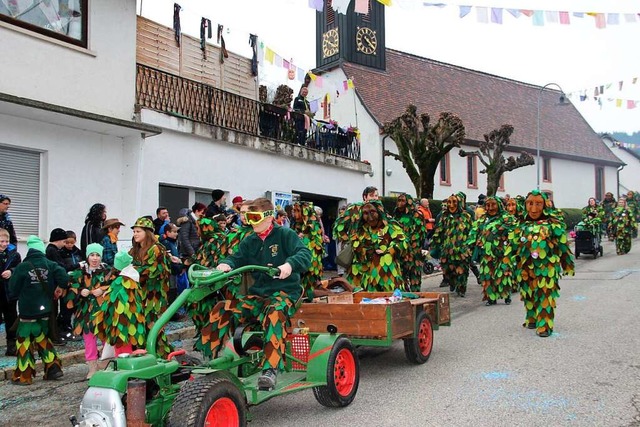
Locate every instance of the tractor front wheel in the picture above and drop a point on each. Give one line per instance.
(343, 376)
(208, 401)
(418, 348)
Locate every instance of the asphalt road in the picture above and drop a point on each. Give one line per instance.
(485, 370)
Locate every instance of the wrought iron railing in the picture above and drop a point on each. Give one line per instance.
(168, 93)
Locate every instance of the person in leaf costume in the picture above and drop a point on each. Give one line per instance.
(307, 225)
(378, 246)
(121, 322)
(87, 286)
(608, 204)
(623, 225)
(543, 256)
(238, 233)
(490, 246)
(151, 261)
(414, 227)
(449, 243)
(633, 205)
(214, 246)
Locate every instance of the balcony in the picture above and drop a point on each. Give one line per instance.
(167, 93)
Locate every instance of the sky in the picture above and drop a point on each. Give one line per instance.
(578, 57)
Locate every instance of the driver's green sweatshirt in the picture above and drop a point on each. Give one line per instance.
(280, 246)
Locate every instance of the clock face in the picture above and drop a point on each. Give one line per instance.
(330, 43)
(366, 41)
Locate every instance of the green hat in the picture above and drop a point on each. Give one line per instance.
(34, 242)
(144, 222)
(94, 248)
(122, 260)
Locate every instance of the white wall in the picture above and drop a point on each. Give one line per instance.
(99, 80)
(79, 168)
(630, 174)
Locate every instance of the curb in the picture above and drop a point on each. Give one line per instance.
(77, 357)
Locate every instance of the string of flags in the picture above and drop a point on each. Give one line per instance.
(495, 15)
(608, 93)
(627, 145)
(332, 88)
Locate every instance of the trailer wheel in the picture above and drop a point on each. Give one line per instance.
(427, 268)
(343, 376)
(208, 401)
(418, 349)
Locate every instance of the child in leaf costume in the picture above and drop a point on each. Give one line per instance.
(449, 243)
(87, 286)
(121, 322)
(214, 247)
(151, 261)
(623, 225)
(543, 256)
(490, 246)
(414, 227)
(307, 225)
(378, 246)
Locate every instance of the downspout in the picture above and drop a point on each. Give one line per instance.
(384, 173)
(618, 177)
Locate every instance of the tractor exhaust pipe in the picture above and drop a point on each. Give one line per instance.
(136, 403)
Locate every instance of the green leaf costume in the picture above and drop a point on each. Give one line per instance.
(451, 241)
(33, 335)
(623, 225)
(543, 256)
(496, 269)
(415, 229)
(154, 283)
(86, 307)
(309, 230)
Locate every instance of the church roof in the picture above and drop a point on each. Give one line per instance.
(483, 101)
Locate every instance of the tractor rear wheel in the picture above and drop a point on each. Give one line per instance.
(343, 376)
(208, 401)
(418, 348)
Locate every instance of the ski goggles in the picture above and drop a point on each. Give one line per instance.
(255, 218)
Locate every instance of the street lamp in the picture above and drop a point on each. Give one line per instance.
(562, 101)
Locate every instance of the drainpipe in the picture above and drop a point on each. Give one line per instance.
(384, 174)
(618, 177)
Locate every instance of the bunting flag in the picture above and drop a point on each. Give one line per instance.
(361, 6)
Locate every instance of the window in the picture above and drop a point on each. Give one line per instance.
(20, 180)
(472, 172)
(64, 20)
(599, 182)
(501, 183)
(549, 194)
(546, 169)
(445, 176)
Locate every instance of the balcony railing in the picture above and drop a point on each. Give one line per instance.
(168, 93)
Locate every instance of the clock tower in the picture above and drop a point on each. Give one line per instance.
(352, 37)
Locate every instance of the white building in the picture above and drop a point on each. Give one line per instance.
(629, 173)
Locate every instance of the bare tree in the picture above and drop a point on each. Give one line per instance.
(491, 155)
(421, 145)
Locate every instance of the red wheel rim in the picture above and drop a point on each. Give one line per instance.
(344, 373)
(425, 337)
(223, 413)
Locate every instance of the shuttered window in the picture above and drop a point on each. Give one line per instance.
(20, 180)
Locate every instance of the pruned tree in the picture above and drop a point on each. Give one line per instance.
(283, 97)
(421, 144)
(491, 155)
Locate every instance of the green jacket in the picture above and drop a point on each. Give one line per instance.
(281, 245)
(34, 297)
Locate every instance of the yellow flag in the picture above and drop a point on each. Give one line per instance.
(269, 55)
(350, 84)
(313, 76)
(385, 2)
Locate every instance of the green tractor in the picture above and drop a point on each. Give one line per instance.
(142, 389)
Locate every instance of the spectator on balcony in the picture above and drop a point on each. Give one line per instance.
(302, 122)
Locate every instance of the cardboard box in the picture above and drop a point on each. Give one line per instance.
(342, 298)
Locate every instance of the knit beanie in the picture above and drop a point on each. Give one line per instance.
(94, 248)
(122, 260)
(34, 242)
(57, 234)
(217, 194)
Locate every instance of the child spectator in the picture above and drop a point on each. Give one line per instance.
(110, 241)
(34, 283)
(169, 240)
(70, 253)
(269, 300)
(60, 321)
(87, 287)
(9, 259)
(221, 219)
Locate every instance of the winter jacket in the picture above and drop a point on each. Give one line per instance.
(172, 247)
(213, 210)
(7, 224)
(71, 258)
(35, 297)
(280, 246)
(91, 233)
(9, 260)
(188, 239)
(110, 250)
(53, 254)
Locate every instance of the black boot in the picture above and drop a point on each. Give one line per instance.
(11, 348)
